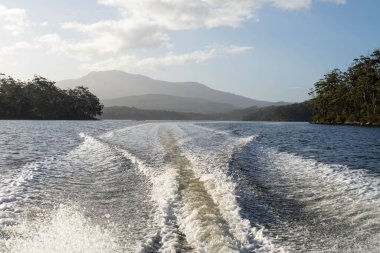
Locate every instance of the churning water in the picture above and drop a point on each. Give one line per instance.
(124, 186)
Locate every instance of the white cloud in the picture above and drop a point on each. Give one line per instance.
(292, 4)
(149, 23)
(184, 14)
(107, 44)
(238, 49)
(16, 47)
(177, 59)
(115, 36)
(129, 62)
(13, 19)
(54, 44)
(299, 4)
(335, 1)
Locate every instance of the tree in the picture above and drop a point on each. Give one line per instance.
(349, 97)
(39, 98)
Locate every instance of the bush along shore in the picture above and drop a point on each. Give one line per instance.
(351, 97)
(40, 99)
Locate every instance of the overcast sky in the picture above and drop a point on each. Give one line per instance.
(264, 49)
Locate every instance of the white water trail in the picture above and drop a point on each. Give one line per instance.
(210, 165)
(164, 193)
(14, 189)
(343, 203)
(322, 185)
(180, 214)
(65, 230)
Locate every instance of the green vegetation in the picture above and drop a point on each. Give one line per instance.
(132, 113)
(293, 112)
(351, 97)
(41, 99)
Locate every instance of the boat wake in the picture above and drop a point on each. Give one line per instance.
(183, 187)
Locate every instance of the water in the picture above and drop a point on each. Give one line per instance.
(136, 186)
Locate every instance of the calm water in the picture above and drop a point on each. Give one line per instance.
(125, 186)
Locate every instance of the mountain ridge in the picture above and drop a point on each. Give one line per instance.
(170, 103)
(115, 84)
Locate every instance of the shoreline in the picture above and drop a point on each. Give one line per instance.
(346, 124)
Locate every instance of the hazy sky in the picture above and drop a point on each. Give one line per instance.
(264, 49)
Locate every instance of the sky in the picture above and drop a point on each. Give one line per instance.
(272, 50)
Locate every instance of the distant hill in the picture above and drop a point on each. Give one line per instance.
(117, 84)
(170, 103)
(131, 113)
(293, 112)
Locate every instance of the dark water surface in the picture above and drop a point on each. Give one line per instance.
(140, 186)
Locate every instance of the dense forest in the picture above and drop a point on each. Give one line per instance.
(293, 112)
(350, 97)
(39, 98)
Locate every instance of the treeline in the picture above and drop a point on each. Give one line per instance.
(39, 98)
(350, 97)
(132, 113)
(294, 112)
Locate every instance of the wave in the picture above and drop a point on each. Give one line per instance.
(138, 209)
(111, 134)
(191, 205)
(321, 185)
(210, 163)
(164, 194)
(177, 187)
(14, 189)
(336, 207)
(92, 175)
(214, 131)
(65, 230)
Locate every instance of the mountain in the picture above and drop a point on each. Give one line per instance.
(116, 84)
(300, 112)
(132, 113)
(170, 103)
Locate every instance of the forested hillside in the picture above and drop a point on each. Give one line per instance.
(41, 99)
(350, 97)
(294, 112)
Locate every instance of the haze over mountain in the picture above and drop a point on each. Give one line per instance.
(170, 103)
(118, 88)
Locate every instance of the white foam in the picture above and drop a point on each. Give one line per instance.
(171, 212)
(211, 167)
(165, 194)
(112, 133)
(66, 230)
(313, 180)
(7, 199)
(214, 131)
(7, 221)
(17, 186)
(103, 151)
(335, 194)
